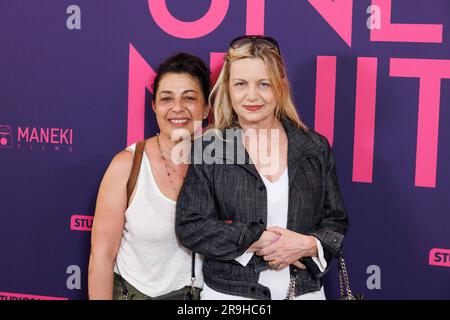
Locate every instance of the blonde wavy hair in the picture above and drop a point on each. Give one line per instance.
(219, 99)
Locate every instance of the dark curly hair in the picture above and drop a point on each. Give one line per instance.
(185, 63)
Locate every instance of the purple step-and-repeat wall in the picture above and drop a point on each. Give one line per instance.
(371, 75)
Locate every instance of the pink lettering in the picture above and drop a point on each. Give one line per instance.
(403, 32)
(34, 135)
(338, 14)
(366, 87)
(255, 17)
(141, 76)
(81, 223)
(23, 134)
(325, 96)
(63, 136)
(430, 72)
(439, 257)
(20, 296)
(44, 135)
(216, 63)
(188, 30)
(54, 135)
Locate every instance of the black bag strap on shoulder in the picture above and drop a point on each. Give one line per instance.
(137, 160)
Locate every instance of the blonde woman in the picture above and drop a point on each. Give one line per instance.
(267, 226)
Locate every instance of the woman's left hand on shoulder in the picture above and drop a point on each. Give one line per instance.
(289, 249)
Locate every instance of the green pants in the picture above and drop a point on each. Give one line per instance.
(133, 293)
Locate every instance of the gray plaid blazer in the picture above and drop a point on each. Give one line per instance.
(222, 209)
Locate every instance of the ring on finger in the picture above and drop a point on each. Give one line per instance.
(273, 264)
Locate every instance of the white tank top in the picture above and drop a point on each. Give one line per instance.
(150, 256)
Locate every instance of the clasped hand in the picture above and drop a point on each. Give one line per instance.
(284, 247)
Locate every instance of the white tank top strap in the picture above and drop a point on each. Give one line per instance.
(131, 147)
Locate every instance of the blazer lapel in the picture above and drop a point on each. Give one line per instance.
(300, 146)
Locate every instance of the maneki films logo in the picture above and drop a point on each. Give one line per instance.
(6, 138)
(36, 138)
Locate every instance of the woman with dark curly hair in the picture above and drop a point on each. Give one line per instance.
(135, 253)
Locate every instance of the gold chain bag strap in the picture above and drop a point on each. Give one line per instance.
(344, 283)
(290, 295)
